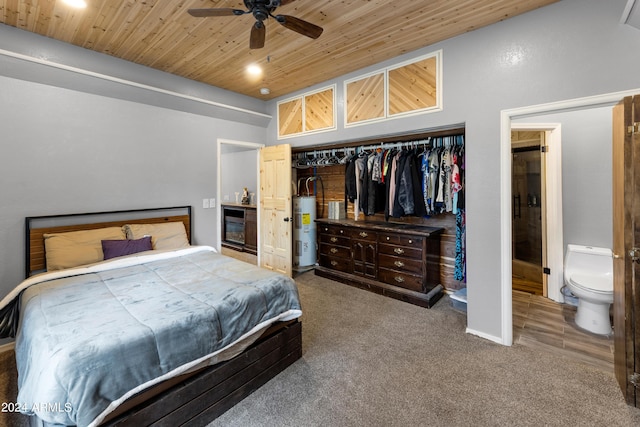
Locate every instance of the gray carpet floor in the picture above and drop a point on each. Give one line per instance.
(369, 360)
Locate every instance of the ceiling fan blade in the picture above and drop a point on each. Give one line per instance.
(203, 13)
(283, 2)
(256, 41)
(299, 26)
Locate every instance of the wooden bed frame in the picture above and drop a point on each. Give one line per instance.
(198, 397)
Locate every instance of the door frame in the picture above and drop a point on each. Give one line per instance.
(552, 204)
(219, 172)
(506, 117)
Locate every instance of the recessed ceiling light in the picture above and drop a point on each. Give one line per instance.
(254, 70)
(265, 91)
(80, 4)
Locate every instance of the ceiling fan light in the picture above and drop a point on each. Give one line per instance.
(265, 91)
(79, 4)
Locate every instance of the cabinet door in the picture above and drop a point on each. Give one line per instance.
(364, 258)
(250, 230)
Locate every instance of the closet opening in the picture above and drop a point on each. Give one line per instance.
(528, 213)
(383, 213)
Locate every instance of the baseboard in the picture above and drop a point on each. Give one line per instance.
(485, 336)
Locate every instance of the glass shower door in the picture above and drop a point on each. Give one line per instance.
(527, 217)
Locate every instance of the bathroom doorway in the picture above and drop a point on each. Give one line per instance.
(528, 211)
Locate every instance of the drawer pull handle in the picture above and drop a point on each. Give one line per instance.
(388, 238)
(399, 263)
(399, 279)
(334, 263)
(410, 241)
(333, 239)
(333, 250)
(363, 234)
(341, 231)
(398, 251)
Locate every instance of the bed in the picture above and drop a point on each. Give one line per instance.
(145, 328)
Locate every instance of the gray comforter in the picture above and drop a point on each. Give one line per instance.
(91, 337)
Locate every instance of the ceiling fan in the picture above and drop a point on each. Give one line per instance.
(262, 10)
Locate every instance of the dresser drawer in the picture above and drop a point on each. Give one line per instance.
(336, 230)
(340, 264)
(367, 235)
(400, 264)
(403, 252)
(335, 251)
(404, 280)
(334, 239)
(401, 240)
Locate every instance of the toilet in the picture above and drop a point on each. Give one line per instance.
(588, 273)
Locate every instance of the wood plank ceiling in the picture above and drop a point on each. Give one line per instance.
(215, 50)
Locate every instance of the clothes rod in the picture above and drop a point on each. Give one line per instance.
(438, 141)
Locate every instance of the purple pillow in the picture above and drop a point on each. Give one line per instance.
(115, 248)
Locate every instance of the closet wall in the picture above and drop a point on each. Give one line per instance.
(329, 186)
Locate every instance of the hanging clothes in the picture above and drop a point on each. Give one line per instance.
(459, 271)
(390, 182)
(419, 208)
(403, 204)
(456, 181)
(373, 196)
(363, 182)
(434, 161)
(358, 171)
(424, 171)
(350, 180)
(409, 181)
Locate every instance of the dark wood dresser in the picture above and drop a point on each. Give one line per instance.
(398, 260)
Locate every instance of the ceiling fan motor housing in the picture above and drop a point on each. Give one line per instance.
(261, 9)
(260, 15)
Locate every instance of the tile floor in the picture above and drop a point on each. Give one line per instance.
(543, 323)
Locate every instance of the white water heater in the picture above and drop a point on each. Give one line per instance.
(304, 232)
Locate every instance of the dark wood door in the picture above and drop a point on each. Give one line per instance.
(626, 240)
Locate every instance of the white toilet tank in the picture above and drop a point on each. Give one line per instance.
(587, 260)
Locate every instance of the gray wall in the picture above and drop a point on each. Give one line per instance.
(570, 49)
(67, 151)
(587, 214)
(239, 170)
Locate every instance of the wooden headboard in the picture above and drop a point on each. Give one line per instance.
(35, 259)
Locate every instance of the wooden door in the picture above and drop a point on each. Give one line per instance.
(626, 237)
(275, 208)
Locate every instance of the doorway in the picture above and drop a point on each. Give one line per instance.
(237, 165)
(528, 218)
(546, 113)
(537, 244)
